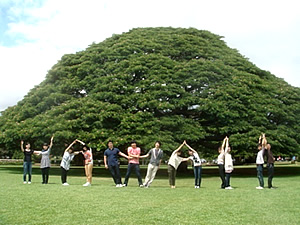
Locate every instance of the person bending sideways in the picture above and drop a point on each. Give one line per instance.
(173, 164)
(68, 156)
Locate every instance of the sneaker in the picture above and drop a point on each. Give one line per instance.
(29, 182)
(259, 188)
(24, 182)
(229, 188)
(196, 186)
(124, 185)
(119, 185)
(141, 185)
(87, 184)
(65, 184)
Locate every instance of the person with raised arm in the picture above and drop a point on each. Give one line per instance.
(194, 157)
(68, 156)
(45, 161)
(228, 165)
(156, 155)
(220, 162)
(88, 163)
(27, 164)
(133, 152)
(270, 165)
(112, 163)
(260, 160)
(173, 164)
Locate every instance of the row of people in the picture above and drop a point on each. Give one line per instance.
(111, 154)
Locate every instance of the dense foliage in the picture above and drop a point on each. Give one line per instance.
(158, 84)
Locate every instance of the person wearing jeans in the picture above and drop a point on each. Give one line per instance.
(260, 161)
(228, 164)
(156, 155)
(133, 152)
(196, 163)
(112, 163)
(27, 164)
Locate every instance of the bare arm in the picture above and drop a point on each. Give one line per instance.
(70, 145)
(264, 141)
(144, 156)
(125, 156)
(105, 163)
(81, 142)
(223, 144)
(51, 141)
(227, 145)
(193, 150)
(22, 148)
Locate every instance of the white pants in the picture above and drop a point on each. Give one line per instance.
(151, 172)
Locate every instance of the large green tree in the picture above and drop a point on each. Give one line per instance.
(158, 84)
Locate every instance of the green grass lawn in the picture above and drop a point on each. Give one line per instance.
(103, 203)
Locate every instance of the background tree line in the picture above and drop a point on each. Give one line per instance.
(153, 84)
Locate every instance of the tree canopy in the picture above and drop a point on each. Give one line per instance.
(167, 84)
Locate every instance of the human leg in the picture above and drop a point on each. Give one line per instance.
(270, 174)
(152, 175)
(25, 171)
(63, 175)
(129, 168)
(227, 179)
(138, 174)
(222, 174)
(260, 175)
(112, 171)
(172, 175)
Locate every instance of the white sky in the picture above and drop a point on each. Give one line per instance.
(35, 34)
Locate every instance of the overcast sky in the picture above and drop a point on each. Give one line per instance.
(35, 34)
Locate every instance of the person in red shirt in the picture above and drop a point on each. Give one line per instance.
(88, 162)
(134, 152)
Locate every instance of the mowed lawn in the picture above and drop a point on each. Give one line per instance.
(103, 203)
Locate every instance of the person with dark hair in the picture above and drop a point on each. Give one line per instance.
(228, 165)
(133, 163)
(173, 164)
(260, 161)
(88, 163)
(45, 161)
(194, 157)
(270, 165)
(27, 164)
(112, 163)
(220, 162)
(68, 156)
(156, 155)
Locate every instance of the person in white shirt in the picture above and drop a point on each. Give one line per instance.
(260, 160)
(228, 164)
(173, 164)
(220, 162)
(65, 162)
(194, 157)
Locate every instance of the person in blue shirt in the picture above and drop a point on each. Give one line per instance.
(112, 163)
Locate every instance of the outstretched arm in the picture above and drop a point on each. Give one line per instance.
(124, 155)
(22, 148)
(193, 150)
(179, 147)
(264, 140)
(51, 141)
(227, 145)
(81, 142)
(70, 145)
(144, 156)
(223, 144)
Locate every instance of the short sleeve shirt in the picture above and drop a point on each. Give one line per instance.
(134, 151)
(27, 155)
(196, 159)
(112, 156)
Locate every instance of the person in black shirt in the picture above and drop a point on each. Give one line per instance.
(27, 165)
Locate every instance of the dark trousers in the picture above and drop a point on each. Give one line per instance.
(270, 167)
(197, 173)
(130, 167)
(260, 176)
(227, 179)
(222, 174)
(115, 172)
(63, 175)
(45, 174)
(172, 175)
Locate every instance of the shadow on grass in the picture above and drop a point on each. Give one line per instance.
(249, 171)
